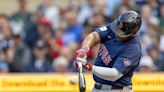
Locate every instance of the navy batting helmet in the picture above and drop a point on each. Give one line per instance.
(127, 24)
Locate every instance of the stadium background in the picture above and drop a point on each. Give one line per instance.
(40, 36)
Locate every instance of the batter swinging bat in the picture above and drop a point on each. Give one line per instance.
(82, 84)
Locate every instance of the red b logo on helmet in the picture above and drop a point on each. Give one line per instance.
(120, 25)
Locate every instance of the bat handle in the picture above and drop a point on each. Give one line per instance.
(80, 63)
(80, 66)
(82, 84)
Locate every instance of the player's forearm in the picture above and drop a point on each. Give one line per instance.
(111, 74)
(91, 40)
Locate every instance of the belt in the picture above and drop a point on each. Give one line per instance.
(99, 86)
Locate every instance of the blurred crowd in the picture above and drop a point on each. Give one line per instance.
(45, 40)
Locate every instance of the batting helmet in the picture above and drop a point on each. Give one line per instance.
(127, 24)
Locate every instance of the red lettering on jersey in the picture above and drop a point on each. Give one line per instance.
(107, 60)
(103, 52)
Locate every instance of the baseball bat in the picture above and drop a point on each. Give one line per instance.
(82, 84)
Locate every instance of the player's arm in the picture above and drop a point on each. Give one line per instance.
(106, 73)
(91, 40)
(99, 35)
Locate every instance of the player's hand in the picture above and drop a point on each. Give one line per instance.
(81, 60)
(82, 53)
(84, 62)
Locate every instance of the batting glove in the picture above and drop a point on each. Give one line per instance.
(84, 62)
(82, 53)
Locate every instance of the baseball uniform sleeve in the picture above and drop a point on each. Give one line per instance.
(103, 33)
(128, 60)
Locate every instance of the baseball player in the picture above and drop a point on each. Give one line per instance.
(119, 54)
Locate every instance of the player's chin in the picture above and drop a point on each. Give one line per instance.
(125, 38)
